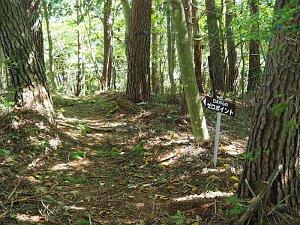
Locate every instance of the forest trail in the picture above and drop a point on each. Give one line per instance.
(113, 162)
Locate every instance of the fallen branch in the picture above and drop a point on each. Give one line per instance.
(259, 201)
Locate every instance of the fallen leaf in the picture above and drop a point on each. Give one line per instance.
(213, 178)
(234, 178)
(194, 190)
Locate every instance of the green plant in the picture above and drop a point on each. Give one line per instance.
(237, 206)
(77, 155)
(108, 153)
(139, 149)
(291, 126)
(84, 129)
(83, 222)
(279, 108)
(250, 156)
(32, 130)
(74, 179)
(6, 103)
(13, 136)
(4, 152)
(179, 218)
(44, 145)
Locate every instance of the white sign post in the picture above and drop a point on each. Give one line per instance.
(217, 138)
(219, 106)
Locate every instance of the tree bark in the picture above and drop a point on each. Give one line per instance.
(25, 66)
(254, 53)
(170, 50)
(80, 79)
(1, 70)
(216, 59)
(275, 134)
(32, 8)
(185, 56)
(107, 62)
(127, 19)
(197, 46)
(231, 48)
(50, 45)
(138, 83)
(154, 60)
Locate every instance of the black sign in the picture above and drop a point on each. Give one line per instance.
(219, 105)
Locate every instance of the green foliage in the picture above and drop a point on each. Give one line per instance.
(14, 136)
(32, 130)
(237, 206)
(108, 153)
(4, 152)
(139, 149)
(74, 180)
(279, 108)
(291, 126)
(178, 218)
(250, 156)
(83, 222)
(77, 155)
(44, 145)
(6, 103)
(84, 129)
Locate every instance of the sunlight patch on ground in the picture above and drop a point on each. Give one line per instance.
(74, 207)
(235, 148)
(41, 125)
(212, 170)
(167, 158)
(209, 194)
(78, 164)
(190, 150)
(29, 218)
(169, 140)
(54, 143)
(94, 122)
(172, 156)
(140, 116)
(32, 180)
(139, 205)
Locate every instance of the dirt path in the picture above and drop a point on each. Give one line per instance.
(118, 163)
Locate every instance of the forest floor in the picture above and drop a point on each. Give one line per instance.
(107, 161)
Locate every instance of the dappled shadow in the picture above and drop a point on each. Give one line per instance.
(115, 163)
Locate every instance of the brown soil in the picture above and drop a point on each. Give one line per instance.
(107, 161)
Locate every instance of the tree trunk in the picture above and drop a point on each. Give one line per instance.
(242, 70)
(170, 50)
(127, 19)
(187, 4)
(32, 8)
(138, 87)
(275, 134)
(2, 71)
(26, 67)
(107, 62)
(220, 15)
(93, 49)
(185, 56)
(197, 46)
(231, 49)
(50, 45)
(154, 65)
(217, 73)
(80, 79)
(254, 53)
(162, 64)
